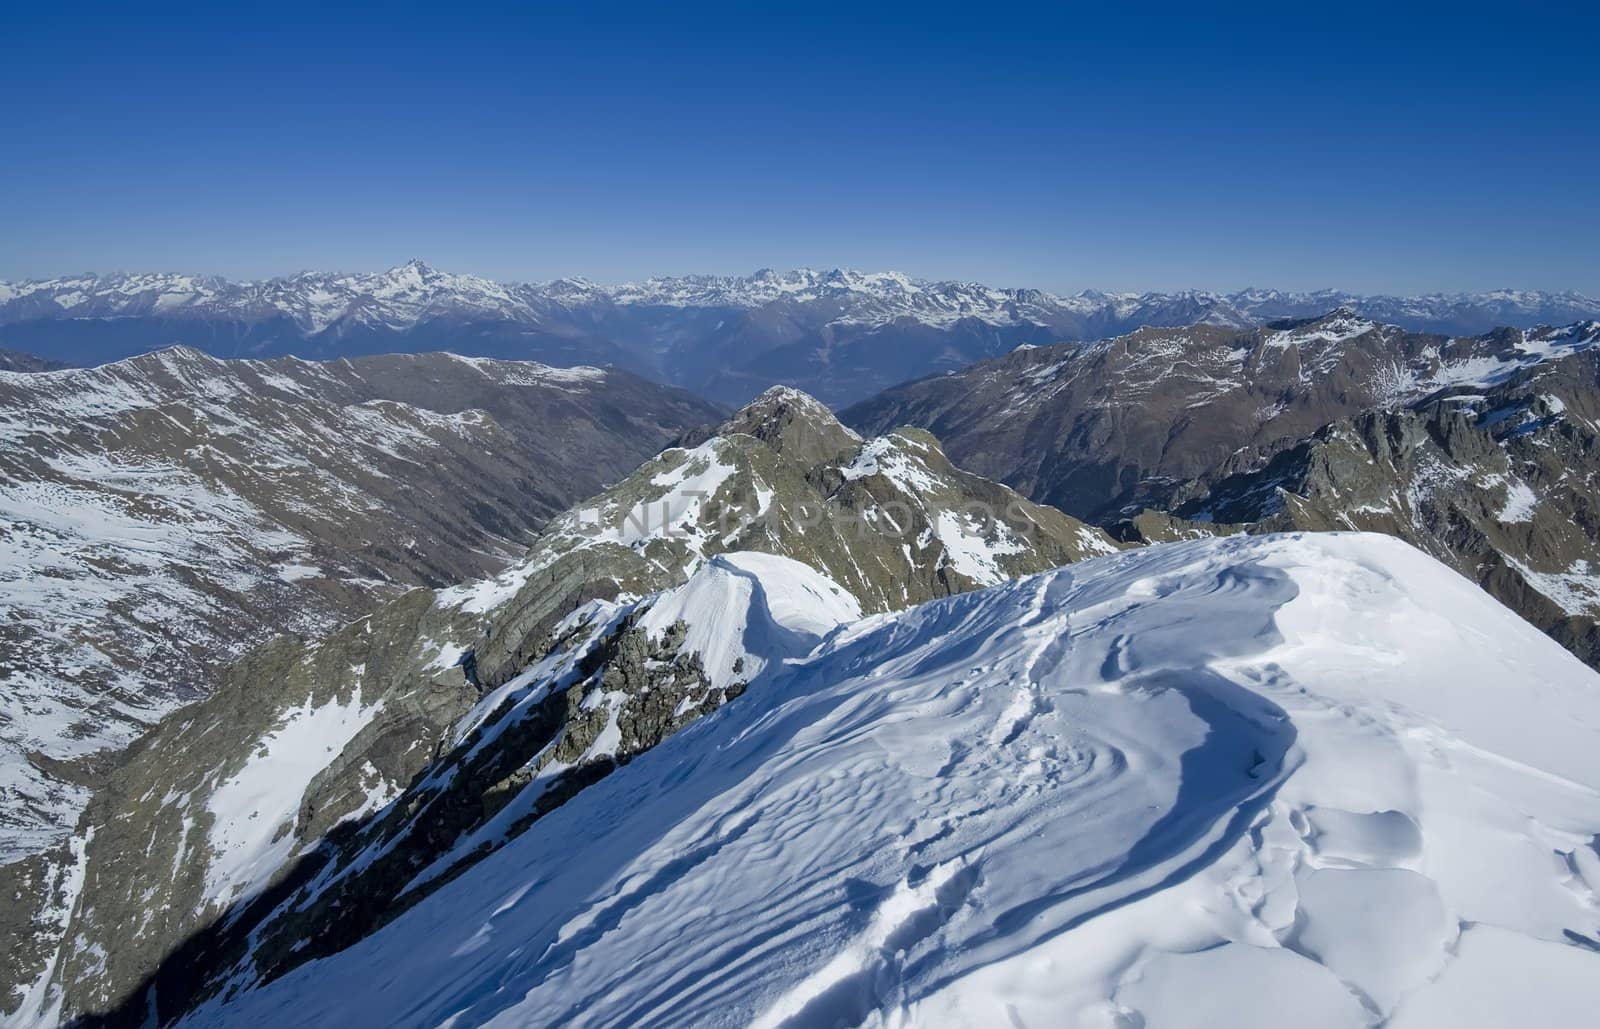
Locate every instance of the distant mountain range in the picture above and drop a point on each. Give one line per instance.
(841, 335)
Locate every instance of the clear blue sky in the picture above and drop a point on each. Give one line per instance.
(1378, 148)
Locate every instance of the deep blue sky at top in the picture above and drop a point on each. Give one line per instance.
(1123, 146)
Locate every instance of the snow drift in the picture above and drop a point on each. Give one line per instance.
(1294, 780)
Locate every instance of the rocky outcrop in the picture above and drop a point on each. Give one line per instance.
(1479, 450)
(17, 361)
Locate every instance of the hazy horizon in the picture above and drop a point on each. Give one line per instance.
(815, 269)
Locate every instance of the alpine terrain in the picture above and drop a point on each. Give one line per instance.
(841, 335)
(561, 637)
(327, 785)
(17, 361)
(1261, 781)
(1483, 451)
(1316, 779)
(164, 514)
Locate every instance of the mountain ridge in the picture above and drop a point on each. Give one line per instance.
(172, 508)
(1479, 450)
(1152, 772)
(120, 294)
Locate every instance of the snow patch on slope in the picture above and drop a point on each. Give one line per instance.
(744, 610)
(253, 811)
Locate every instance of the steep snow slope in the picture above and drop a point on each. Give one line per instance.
(1310, 780)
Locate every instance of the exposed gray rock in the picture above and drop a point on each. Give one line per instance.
(17, 361)
(1479, 450)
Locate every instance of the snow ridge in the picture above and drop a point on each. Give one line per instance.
(1186, 775)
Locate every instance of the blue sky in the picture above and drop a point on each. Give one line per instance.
(1386, 148)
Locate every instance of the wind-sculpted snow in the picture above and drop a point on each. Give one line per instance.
(744, 609)
(1286, 780)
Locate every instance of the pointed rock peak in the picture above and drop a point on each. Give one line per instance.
(796, 425)
(416, 266)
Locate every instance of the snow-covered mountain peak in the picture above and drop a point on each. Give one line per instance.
(319, 293)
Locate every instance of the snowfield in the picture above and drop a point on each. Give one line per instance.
(1272, 781)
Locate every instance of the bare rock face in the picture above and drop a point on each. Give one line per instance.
(162, 516)
(326, 786)
(17, 361)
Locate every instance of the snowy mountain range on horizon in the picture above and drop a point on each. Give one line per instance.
(407, 294)
(840, 335)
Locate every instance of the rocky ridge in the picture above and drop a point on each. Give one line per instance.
(17, 361)
(1147, 419)
(1479, 450)
(163, 515)
(1501, 484)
